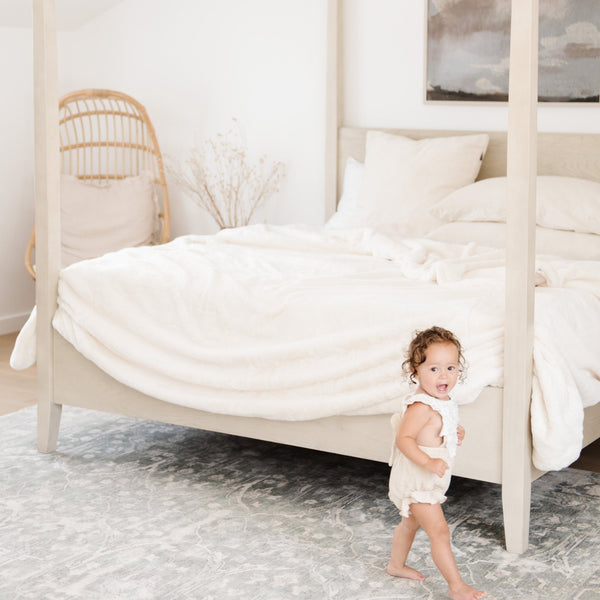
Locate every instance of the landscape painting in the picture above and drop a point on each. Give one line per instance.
(468, 50)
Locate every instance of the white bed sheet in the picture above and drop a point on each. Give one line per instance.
(292, 323)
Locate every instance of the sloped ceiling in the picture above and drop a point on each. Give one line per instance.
(70, 14)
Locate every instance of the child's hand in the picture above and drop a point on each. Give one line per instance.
(437, 466)
(460, 432)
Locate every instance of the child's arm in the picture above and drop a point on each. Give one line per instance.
(415, 418)
(460, 432)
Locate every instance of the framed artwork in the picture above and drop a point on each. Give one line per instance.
(468, 44)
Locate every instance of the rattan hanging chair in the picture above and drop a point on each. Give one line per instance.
(107, 135)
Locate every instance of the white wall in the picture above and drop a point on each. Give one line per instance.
(195, 64)
(384, 75)
(17, 290)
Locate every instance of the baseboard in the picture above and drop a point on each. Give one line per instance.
(11, 323)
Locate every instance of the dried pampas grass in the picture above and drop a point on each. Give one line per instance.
(222, 181)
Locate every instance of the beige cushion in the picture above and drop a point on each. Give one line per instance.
(100, 219)
(404, 178)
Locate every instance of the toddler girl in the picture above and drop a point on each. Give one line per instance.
(426, 436)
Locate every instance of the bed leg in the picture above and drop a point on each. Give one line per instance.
(516, 476)
(48, 411)
(516, 500)
(48, 424)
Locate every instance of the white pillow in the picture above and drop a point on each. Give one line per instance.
(348, 204)
(403, 178)
(565, 203)
(566, 244)
(100, 219)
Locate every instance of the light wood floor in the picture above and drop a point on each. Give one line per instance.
(18, 390)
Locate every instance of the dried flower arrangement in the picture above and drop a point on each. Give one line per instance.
(222, 180)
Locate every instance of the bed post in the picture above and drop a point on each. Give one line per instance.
(333, 95)
(47, 214)
(520, 263)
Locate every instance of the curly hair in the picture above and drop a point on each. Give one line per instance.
(422, 341)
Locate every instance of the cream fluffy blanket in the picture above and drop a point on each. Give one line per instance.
(292, 323)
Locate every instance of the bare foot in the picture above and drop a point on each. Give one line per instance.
(465, 592)
(404, 571)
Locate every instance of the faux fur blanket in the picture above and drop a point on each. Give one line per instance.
(293, 323)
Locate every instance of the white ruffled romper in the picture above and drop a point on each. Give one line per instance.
(411, 483)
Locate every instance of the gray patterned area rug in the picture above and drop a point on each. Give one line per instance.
(140, 510)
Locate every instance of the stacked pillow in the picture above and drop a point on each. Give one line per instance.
(403, 179)
(427, 188)
(567, 215)
(566, 203)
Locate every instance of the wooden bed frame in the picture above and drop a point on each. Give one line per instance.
(498, 445)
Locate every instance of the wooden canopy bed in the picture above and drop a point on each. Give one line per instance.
(498, 447)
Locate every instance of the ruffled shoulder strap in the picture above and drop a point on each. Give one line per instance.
(424, 399)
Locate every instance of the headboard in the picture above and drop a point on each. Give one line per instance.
(567, 154)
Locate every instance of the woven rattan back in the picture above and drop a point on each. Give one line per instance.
(107, 135)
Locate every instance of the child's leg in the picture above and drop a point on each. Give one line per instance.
(431, 518)
(404, 534)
